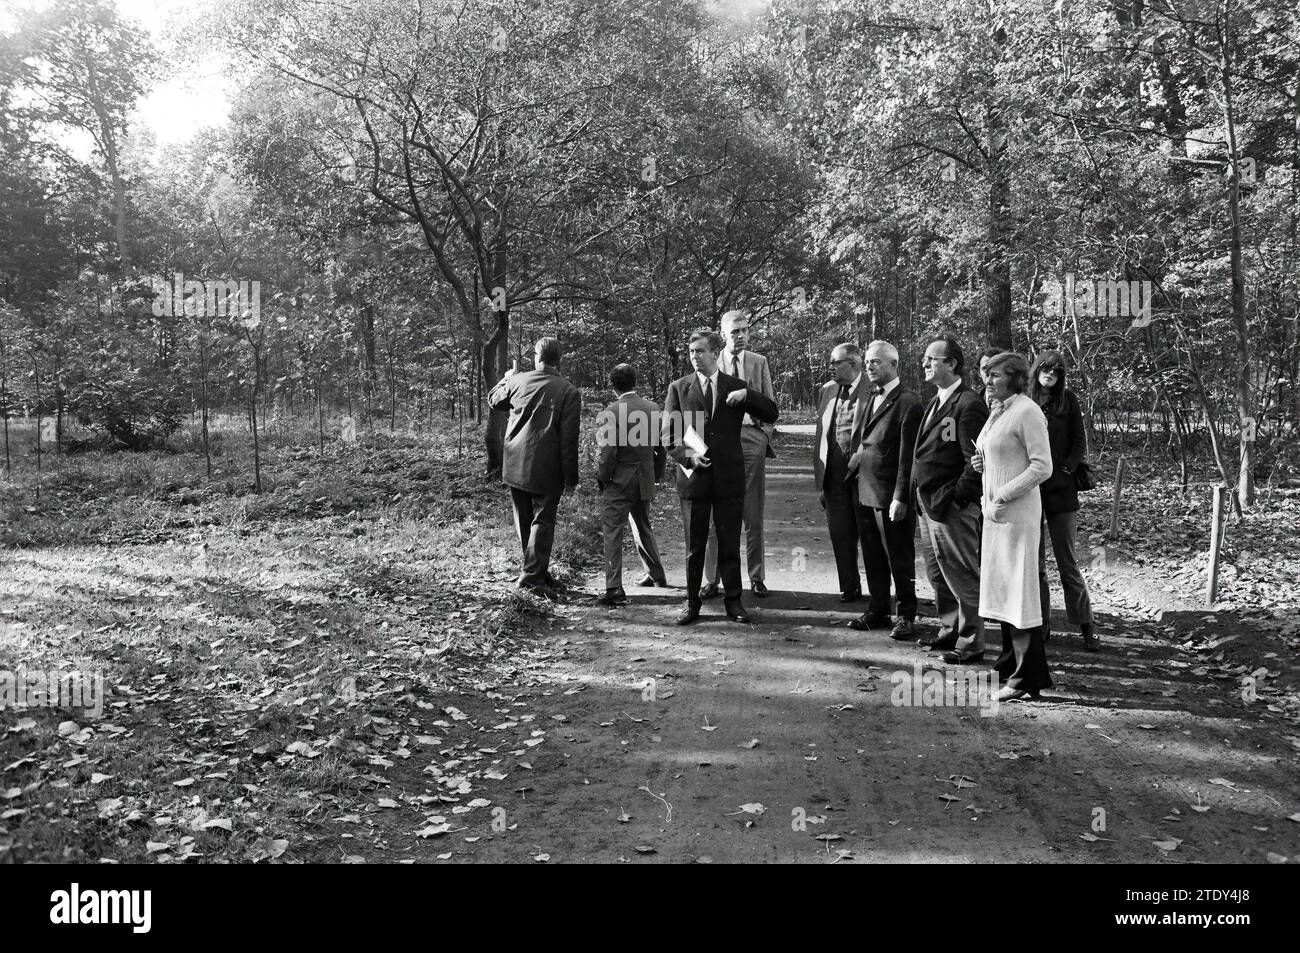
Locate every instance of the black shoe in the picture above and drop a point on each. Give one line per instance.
(736, 613)
(940, 643)
(544, 592)
(613, 597)
(759, 589)
(711, 591)
(1090, 641)
(904, 631)
(649, 582)
(689, 614)
(852, 596)
(866, 622)
(956, 658)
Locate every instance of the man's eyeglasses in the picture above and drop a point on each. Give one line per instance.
(843, 360)
(933, 360)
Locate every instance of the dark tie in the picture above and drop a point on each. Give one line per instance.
(930, 412)
(735, 365)
(708, 398)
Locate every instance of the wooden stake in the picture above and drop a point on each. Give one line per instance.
(1216, 545)
(1120, 466)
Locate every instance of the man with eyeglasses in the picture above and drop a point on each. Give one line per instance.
(840, 409)
(948, 502)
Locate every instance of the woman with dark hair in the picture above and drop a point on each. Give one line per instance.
(1014, 455)
(1060, 494)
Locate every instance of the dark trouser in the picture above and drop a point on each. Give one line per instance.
(753, 445)
(888, 549)
(951, 550)
(1023, 662)
(535, 523)
(620, 504)
(725, 516)
(842, 520)
(1062, 527)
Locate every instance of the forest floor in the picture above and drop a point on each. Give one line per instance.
(338, 670)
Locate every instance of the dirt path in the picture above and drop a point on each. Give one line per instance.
(794, 713)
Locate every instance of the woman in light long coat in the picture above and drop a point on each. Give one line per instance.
(1014, 455)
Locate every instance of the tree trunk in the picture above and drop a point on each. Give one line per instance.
(1245, 399)
(997, 268)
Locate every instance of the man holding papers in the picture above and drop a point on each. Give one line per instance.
(703, 415)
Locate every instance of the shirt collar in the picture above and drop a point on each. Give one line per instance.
(889, 387)
(627, 393)
(947, 392)
(856, 381)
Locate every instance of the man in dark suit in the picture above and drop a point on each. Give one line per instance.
(541, 456)
(756, 443)
(840, 411)
(948, 494)
(631, 462)
(711, 476)
(883, 461)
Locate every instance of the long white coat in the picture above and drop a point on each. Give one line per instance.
(1017, 457)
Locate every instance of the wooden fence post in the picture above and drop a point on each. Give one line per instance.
(1121, 466)
(1216, 545)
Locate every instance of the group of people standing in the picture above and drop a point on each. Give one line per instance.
(984, 479)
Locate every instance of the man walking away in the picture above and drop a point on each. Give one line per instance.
(541, 456)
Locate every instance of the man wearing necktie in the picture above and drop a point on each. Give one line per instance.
(756, 443)
(883, 463)
(840, 410)
(948, 493)
(711, 482)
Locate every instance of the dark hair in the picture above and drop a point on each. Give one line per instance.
(1053, 401)
(549, 351)
(953, 354)
(623, 378)
(1015, 367)
(849, 347)
(713, 338)
(991, 352)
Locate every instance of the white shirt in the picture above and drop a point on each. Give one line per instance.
(871, 407)
(944, 394)
(714, 380)
(626, 393)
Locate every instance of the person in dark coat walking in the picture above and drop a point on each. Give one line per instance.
(1060, 494)
(540, 462)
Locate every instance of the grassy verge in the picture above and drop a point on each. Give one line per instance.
(262, 656)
